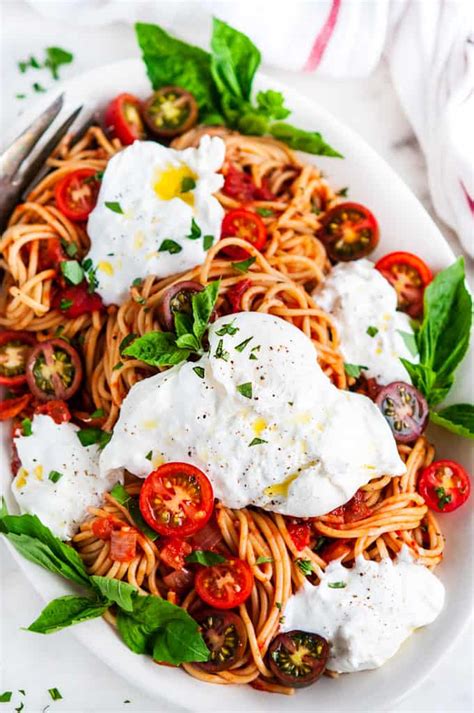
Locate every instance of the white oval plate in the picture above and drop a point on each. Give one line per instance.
(404, 226)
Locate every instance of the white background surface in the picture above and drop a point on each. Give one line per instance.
(35, 663)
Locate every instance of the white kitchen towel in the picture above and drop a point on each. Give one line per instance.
(429, 45)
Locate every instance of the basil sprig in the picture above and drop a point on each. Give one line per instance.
(221, 82)
(147, 624)
(442, 341)
(168, 349)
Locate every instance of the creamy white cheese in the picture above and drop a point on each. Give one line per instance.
(368, 611)
(264, 423)
(360, 300)
(54, 449)
(155, 193)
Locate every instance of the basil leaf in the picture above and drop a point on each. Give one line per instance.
(458, 418)
(410, 342)
(373, 331)
(205, 557)
(183, 323)
(203, 305)
(114, 207)
(272, 104)
(178, 642)
(26, 427)
(67, 611)
(300, 140)
(170, 61)
(188, 341)
(245, 389)
(257, 442)
(56, 57)
(305, 566)
(93, 435)
(199, 370)
(115, 591)
(207, 241)
(119, 493)
(195, 231)
(244, 265)
(38, 544)
(72, 271)
(157, 349)
(227, 329)
(126, 341)
(234, 61)
(6, 697)
(353, 369)
(170, 246)
(55, 694)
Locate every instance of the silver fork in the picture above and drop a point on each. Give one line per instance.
(14, 182)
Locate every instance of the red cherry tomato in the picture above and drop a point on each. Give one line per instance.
(57, 410)
(300, 533)
(123, 119)
(76, 300)
(225, 585)
(240, 186)
(104, 526)
(444, 485)
(15, 348)
(76, 193)
(176, 499)
(409, 275)
(247, 226)
(235, 294)
(173, 552)
(349, 231)
(9, 408)
(123, 544)
(50, 254)
(355, 509)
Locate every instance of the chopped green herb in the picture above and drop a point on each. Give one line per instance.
(65, 304)
(137, 282)
(257, 442)
(38, 88)
(205, 557)
(221, 352)
(6, 697)
(227, 329)
(126, 341)
(26, 64)
(320, 542)
(20, 96)
(55, 57)
(149, 455)
(263, 560)
(20, 707)
(240, 347)
(22, 691)
(354, 369)
(96, 177)
(55, 694)
(336, 585)
(117, 366)
(443, 497)
(195, 231)
(343, 192)
(72, 271)
(170, 246)
(245, 389)
(305, 566)
(54, 476)
(278, 605)
(69, 248)
(187, 184)
(199, 370)
(410, 342)
(372, 331)
(26, 427)
(114, 207)
(244, 265)
(207, 241)
(265, 212)
(90, 436)
(98, 413)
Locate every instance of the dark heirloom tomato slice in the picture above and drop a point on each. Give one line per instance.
(123, 119)
(225, 636)
(409, 275)
(177, 298)
(298, 658)
(444, 485)
(76, 300)
(170, 111)
(349, 231)
(9, 408)
(15, 348)
(405, 410)
(76, 193)
(54, 370)
(240, 186)
(176, 499)
(300, 533)
(225, 585)
(235, 294)
(57, 410)
(245, 225)
(173, 552)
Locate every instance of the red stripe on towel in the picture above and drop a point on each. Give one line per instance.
(323, 38)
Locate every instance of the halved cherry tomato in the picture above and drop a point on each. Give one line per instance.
(170, 111)
(235, 294)
(54, 370)
(76, 193)
(240, 185)
(76, 300)
(444, 485)
(123, 119)
(176, 499)
(173, 552)
(56, 409)
(225, 636)
(15, 348)
(300, 533)
(9, 408)
(245, 225)
(409, 275)
(405, 410)
(103, 527)
(339, 549)
(123, 544)
(355, 509)
(177, 298)
(298, 658)
(349, 231)
(225, 585)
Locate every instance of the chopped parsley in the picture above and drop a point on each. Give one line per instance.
(278, 605)
(55, 57)
(38, 88)
(257, 442)
(320, 542)
(32, 62)
(114, 207)
(98, 413)
(227, 329)
(6, 697)
(149, 455)
(354, 369)
(90, 272)
(221, 352)
(265, 212)
(69, 248)
(187, 184)
(199, 370)
(20, 96)
(263, 560)
(343, 192)
(240, 347)
(65, 304)
(372, 331)
(305, 566)
(95, 177)
(54, 476)
(207, 241)
(137, 282)
(170, 246)
(195, 231)
(443, 497)
(26, 427)
(55, 694)
(90, 436)
(72, 271)
(244, 265)
(117, 366)
(252, 352)
(245, 389)
(336, 585)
